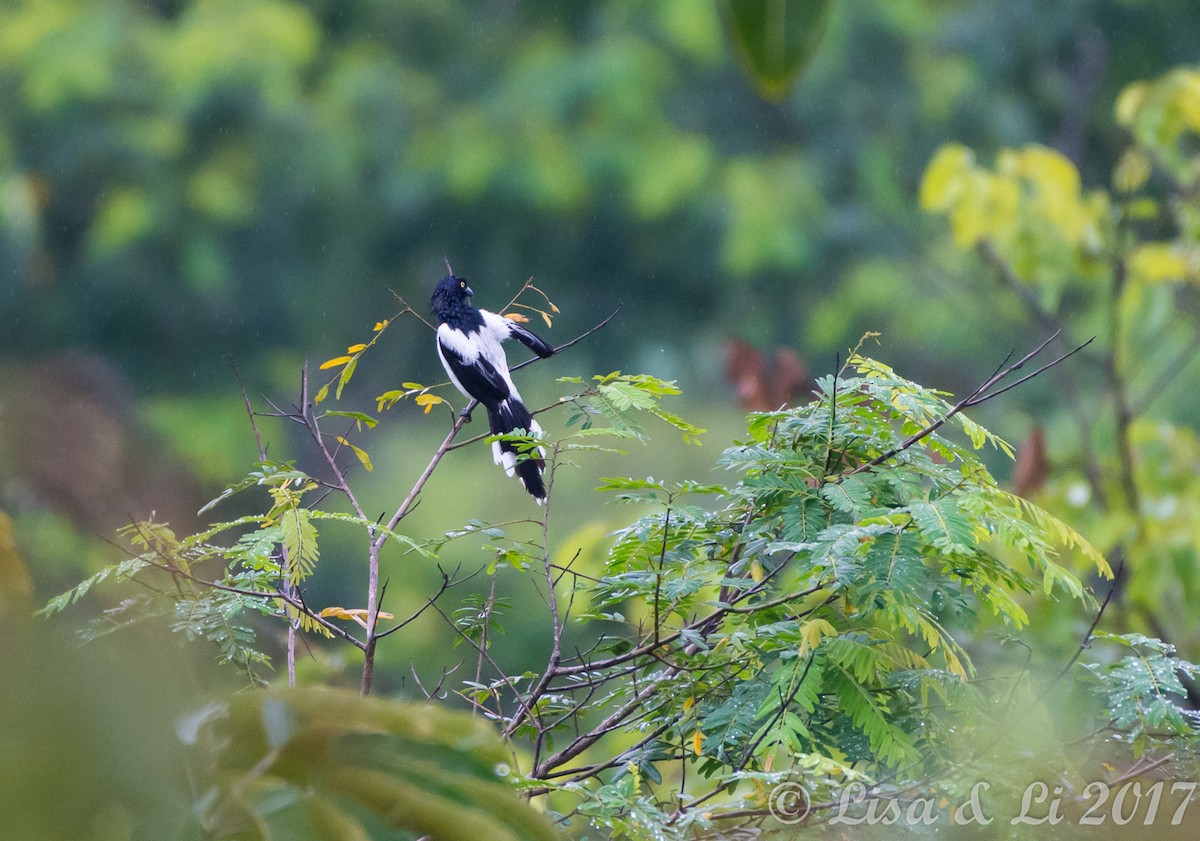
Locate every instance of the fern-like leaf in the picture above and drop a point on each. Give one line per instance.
(300, 542)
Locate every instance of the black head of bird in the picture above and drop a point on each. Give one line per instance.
(451, 298)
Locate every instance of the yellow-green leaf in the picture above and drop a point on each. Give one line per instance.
(322, 393)
(360, 419)
(347, 373)
(1130, 101)
(389, 399)
(330, 823)
(1132, 171)
(812, 632)
(362, 457)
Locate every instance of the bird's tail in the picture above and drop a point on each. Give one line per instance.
(505, 417)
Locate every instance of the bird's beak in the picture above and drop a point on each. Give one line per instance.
(469, 292)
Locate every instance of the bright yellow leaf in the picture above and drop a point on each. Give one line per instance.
(944, 176)
(1048, 168)
(756, 571)
(428, 401)
(517, 317)
(1057, 187)
(379, 325)
(336, 361)
(986, 207)
(356, 348)
(1156, 262)
(689, 703)
(697, 742)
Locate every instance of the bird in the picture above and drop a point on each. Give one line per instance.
(469, 345)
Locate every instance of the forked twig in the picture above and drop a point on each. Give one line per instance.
(980, 395)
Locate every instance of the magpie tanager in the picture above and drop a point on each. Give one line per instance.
(468, 342)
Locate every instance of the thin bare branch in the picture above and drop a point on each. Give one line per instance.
(981, 394)
(262, 452)
(448, 581)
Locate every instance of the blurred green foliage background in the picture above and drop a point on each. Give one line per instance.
(184, 180)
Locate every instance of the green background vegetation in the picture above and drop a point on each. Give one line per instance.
(183, 183)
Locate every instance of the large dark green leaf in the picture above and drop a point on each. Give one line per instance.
(776, 39)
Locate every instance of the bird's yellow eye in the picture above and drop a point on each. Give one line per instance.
(462, 284)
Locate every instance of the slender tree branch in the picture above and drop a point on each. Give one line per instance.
(579, 774)
(479, 649)
(980, 395)
(1087, 638)
(447, 582)
(1120, 391)
(1051, 322)
(555, 658)
(262, 451)
(582, 743)
(1140, 768)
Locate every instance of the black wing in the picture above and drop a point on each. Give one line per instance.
(531, 341)
(478, 376)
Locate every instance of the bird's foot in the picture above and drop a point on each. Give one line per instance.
(465, 414)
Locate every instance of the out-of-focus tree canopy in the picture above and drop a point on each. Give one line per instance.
(183, 179)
